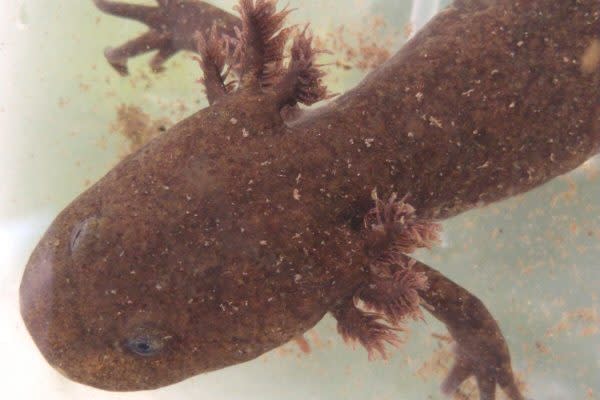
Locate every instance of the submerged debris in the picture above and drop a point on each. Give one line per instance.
(137, 127)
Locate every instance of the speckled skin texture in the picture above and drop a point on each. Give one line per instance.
(233, 232)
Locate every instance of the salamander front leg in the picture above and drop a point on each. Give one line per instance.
(164, 53)
(481, 350)
(145, 14)
(152, 40)
(172, 25)
(399, 284)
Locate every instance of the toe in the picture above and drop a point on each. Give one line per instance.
(118, 64)
(458, 374)
(511, 389)
(487, 388)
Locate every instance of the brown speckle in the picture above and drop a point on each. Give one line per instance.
(591, 57)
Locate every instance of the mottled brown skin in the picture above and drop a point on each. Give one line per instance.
(233, 233)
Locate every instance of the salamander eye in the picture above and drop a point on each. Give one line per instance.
(145, 345)
(84, 233)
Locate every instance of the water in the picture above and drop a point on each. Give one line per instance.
(533, 259)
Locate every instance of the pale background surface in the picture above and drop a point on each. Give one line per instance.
(534, 260)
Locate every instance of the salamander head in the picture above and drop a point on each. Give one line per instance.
(110, 303)
(149, 278)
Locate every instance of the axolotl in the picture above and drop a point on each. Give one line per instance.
(239, 228)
